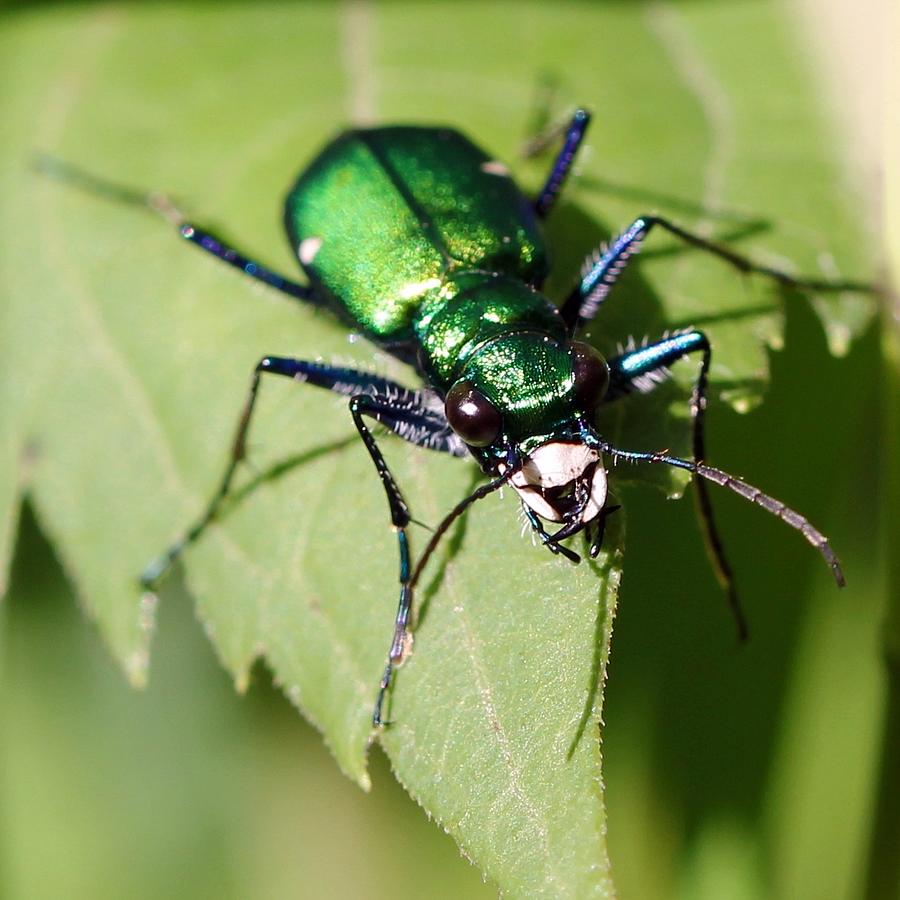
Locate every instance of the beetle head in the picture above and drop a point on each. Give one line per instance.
(521, 402)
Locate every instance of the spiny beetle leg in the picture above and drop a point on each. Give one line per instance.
(641, 369)
(418, 423)
(602, 269)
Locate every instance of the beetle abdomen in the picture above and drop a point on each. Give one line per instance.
(381, 217)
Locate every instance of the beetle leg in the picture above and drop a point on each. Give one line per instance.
(599, 273)
(562, 165)
(599, 529)
(386, 409)
(413, 419)
(545, 536)
(208, 242)
(602, 269)
(641, 370)
(164, 207)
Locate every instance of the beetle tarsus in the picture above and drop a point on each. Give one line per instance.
(384, 684)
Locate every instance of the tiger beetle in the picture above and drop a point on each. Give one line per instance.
(424, 243)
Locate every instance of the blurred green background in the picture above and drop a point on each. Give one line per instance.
(184, 789)
(730, 772)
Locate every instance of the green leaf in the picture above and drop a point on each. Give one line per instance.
(127, 355)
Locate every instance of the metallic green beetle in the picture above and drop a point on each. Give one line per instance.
(421, 241)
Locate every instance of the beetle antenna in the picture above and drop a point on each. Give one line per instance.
(451, 517)
(747, 491)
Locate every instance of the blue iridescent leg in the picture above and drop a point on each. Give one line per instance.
(412, 415)
(602, 269)
(424, 427)
(163, 206)
(376, 407)
(546, 198)
(211, 244)
(641, 370)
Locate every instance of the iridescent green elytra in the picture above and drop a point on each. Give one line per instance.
(424, 243)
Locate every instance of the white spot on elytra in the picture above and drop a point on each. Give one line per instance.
(416, 289)
(308, 249)
(494, 167)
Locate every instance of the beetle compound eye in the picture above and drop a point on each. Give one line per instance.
(471, 415)
(591, 376)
